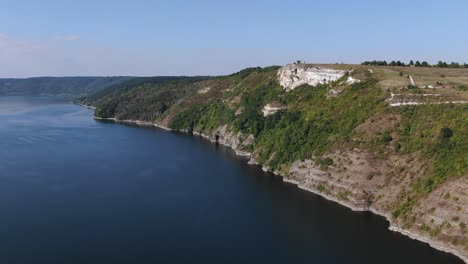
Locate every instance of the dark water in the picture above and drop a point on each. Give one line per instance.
(73, 190)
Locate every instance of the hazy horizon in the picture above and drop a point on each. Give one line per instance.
(175, 38)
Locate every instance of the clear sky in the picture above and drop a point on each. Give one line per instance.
(201, 37)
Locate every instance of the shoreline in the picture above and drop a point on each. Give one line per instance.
(432, 243)
(87, 106)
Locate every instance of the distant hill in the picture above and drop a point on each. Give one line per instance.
(121, 87)
(71, 87)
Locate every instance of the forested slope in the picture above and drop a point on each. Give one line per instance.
(58, 86)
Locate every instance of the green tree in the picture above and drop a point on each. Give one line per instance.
(442, 64)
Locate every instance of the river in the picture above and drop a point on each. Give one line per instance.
(77, 190)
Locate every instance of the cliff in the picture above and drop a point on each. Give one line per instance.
(294, 75)
(337, 133)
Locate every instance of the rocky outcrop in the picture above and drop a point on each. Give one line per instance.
(352, 80)
(348, 178)
(421, 99)
(204, 90)
(237, 141)
(294, 75)
(272, 108)
(363, 183)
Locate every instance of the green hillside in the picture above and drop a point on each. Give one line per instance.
(58, 86)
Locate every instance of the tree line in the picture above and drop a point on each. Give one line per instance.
(440, 64)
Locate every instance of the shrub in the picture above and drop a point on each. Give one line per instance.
(386, 137)
(325, 162)
(446, 133)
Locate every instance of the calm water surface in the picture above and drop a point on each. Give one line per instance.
(73, 190)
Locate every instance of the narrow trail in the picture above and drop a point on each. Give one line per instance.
(411, 80)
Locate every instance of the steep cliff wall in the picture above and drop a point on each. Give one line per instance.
(294, 75)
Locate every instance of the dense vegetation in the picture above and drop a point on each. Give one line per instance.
(142, 98)
(58, 86)
(255, 88)
(127, 85)
(315, 124)
(439, 133)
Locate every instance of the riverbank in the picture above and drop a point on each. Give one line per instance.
(433, 243)
(134, 122)
(87, 106)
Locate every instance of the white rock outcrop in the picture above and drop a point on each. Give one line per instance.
(351, 80)
(294, 75)
(270, 109)
(204, 90)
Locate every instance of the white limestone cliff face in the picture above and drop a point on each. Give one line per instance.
(294, 75)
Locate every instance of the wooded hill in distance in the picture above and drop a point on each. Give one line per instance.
(58, 86)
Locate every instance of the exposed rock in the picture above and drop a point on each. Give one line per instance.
(420, 99)
(237, 141)
(351, 80)
(334, 92)
(272, 108)
(337, 90)
(294, 75)
(345, 182)
(204, 90)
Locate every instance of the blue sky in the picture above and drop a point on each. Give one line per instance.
(70, 38)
